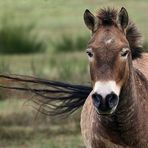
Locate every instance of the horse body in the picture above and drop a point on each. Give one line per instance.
(128, 126)
(115, 113)
(142, 64)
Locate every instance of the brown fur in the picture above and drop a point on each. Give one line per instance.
(109, 16)
(142, 64)
(127, 127)
(93, 130)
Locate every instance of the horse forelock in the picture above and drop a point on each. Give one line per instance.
(107, 16)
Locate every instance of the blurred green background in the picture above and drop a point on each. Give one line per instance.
(47, 39)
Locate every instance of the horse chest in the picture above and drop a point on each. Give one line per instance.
(94, 135)
(91, 136)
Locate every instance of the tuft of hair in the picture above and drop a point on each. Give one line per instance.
(134, 38)
(50, 97)
(108, 17)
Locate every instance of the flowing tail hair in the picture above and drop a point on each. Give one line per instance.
(50, 97)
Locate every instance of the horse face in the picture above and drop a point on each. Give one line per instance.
(108, 54)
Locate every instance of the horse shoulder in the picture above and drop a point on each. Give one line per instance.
(85, 124)
(91, 139)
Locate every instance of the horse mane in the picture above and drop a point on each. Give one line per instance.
(108, 17)
(50, 97)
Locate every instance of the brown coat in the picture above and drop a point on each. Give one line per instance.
(142, 64)
(96, 135)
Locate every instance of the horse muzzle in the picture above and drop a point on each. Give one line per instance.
(105, 105)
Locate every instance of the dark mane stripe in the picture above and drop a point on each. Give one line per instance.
(108, 16)
(134, 38)
(50, 97)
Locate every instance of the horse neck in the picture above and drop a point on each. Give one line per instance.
(127, 110)
(125, 121)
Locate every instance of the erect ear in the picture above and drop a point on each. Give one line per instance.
(123, 18)
(90, 20)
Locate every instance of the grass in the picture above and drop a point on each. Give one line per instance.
(18, 39)
(19, 127)
(64, 66)
(53, 20)
(67, 44)
(145, 46)
(70, 141)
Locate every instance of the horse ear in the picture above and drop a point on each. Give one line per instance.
(90, 20)
(123, 18)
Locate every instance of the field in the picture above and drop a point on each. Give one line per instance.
(20, 125)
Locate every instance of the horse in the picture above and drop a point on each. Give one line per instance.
(115, 106)
(115, 113)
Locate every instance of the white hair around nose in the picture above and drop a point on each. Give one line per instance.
(106, 87)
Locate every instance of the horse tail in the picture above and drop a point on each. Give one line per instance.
(50, 97)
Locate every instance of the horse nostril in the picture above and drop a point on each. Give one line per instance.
(112, 100)
(96, 99)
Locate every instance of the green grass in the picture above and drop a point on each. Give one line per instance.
(53, 20)
(61, 141)
(20, 125)
(67, 44)
(64, 66)
(18, 39)
(56, 18)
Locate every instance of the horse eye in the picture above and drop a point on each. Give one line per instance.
(89, 52)
(124, 52)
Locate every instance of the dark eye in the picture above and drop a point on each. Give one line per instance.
(124, 52)
(89, 52)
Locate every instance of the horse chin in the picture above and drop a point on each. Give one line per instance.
(106, 113)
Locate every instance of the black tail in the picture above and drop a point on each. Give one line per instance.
(51, 97)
